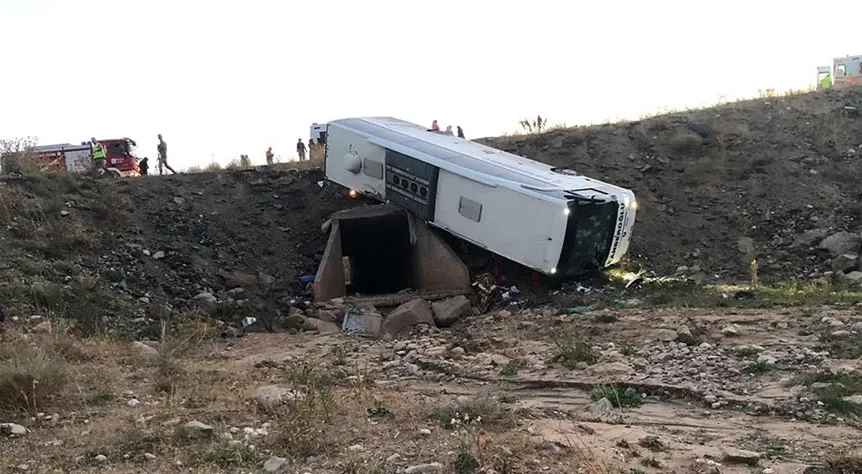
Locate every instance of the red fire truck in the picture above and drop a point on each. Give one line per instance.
(120, 157)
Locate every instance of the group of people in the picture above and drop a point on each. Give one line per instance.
(436, 128)
(301, 151)
(100, 155)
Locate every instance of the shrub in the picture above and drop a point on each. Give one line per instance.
(29, 376)
(571, 350)
(685, 143)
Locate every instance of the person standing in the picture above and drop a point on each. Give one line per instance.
(163, 156)
(460, 132)
(269, 156)
(100, 161)
(300, 150)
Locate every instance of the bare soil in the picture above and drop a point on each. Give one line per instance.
(506, 403)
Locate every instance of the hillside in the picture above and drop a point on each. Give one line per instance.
(143, 249)
(783, 172)
(766, 179)
(121, 302)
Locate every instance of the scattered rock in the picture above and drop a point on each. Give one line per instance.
(407, 315)
(740, 456)
(323, 327)
(423, 468)
(745, 245)
(601, 406)
(447, 312)
(356, 448)
(842, 243)
(196, 430)
(845, 262)
(292, 321)
(609, 368)
(150, 456)
(271, 396)
(143, 350)
(730, 331)
(43, 328)
(327, 316)
(12, 429)
(206, 301)
(274, 464)
(159, 255)
(854, 278)
(857, 399)
(834, 322)
(666, 335)
(100, 459)
(808, 238)
(133, 402)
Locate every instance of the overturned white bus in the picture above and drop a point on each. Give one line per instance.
(552, 220)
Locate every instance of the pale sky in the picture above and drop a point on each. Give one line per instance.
(226, 78)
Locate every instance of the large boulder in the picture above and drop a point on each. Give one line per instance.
(447, 312)
(842, 243)
(846, 262)
(323, 327)
(412, 313)
(269, 397)
(195, 430)
(854, 278)
(808, 238)
(206, 301)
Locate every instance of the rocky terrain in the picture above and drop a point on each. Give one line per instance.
(765, 179)
(628, 391)
(159, 324)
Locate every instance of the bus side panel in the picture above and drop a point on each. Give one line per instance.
(342, 144)
(517, 226)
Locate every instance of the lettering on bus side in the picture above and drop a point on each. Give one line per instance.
(618, 231)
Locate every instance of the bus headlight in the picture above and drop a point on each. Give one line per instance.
(553, 270)
(566, 211)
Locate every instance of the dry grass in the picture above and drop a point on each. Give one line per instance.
(30, 375)
(338, 408)
(685, 143)
(242, 279)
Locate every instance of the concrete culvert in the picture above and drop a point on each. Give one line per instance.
(380, 250)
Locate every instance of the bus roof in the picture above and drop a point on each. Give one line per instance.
(478, 161)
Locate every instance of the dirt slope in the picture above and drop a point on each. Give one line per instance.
(147, 247)
(717, 187)
(768, 170)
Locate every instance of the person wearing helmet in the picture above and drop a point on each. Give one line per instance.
(99, 156)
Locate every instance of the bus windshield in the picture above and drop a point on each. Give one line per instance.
(589, 234)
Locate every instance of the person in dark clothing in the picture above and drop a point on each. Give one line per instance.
(144, 165)
(460, 132)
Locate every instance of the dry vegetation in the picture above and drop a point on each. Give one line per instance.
(82, 399)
